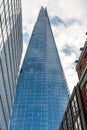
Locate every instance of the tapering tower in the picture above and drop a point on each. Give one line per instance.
(42, 93)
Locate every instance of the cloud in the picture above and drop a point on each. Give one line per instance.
(57, 21)
(68, 63)
(71, 22)
(68, 50)
(26, 37)
(68, 38)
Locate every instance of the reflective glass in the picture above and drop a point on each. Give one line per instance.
(42, 95)
(3, 124)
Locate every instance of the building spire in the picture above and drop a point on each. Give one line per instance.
(42, 88)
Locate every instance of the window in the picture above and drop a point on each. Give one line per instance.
(85, 57)
(81, 69)
(69, 117)
(86, 89)
(2, 119)
(74, 105)
(0, 18)
(64, 125)
(78, 124)
(75, 102)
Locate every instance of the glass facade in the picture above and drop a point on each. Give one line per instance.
(42, 94)
(10, 55)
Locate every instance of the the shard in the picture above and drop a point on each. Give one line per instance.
(42, 93)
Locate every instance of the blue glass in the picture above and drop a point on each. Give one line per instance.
(42, 94)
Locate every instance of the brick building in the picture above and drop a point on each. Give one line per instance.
(75, 117)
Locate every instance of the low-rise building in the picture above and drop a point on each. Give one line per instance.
(75, 117)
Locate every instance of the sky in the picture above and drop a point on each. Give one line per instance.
(68, 20)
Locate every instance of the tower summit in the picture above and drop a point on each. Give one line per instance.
(42, 94)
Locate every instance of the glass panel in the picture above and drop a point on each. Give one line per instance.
(42, 94)
(74, 105)
(2, 120)
(78, 124)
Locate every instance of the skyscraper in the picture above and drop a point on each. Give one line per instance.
(42, 94)
(10, 55)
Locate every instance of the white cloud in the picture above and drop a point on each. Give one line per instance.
(73, 14)
(68, 63)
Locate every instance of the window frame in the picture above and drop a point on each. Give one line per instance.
(75, 105)
(86, 89)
